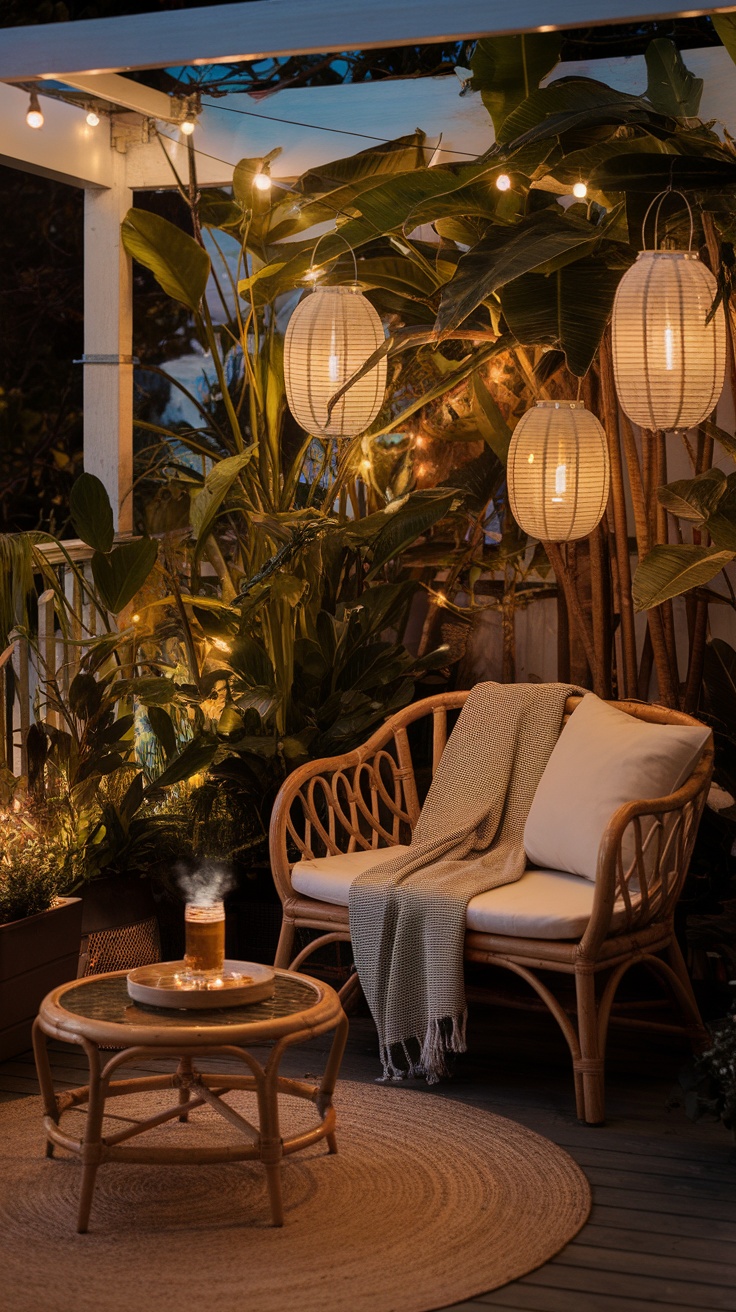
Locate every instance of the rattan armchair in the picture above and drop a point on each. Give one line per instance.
(369, 799)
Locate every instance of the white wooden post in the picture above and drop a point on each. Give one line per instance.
(108, 340)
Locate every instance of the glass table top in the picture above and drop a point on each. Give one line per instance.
(105, 999)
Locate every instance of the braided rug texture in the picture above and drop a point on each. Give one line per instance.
(427, 1202)
(407, 916)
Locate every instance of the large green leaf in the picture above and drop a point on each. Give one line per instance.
(725, 25)
(178, 263)
(196, 757)
(502, 257)
(719, 680)
(410, 522)
(574, 102)
(569, 309)
(119, 575)
(693, 498)
(491, 424)
(654, 171)
(91, 512)
(727, 440)
(669, 571)
(217, 485)
(163, 728)
(506, 69)
(671, 87)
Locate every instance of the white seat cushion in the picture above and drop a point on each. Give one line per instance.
(542, 904)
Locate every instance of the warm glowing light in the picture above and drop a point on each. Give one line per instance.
(421, 470)
(440, 599)
(188, 125)
(420, 441)
(221, 645)
(34, 117)
(262, 181)
(92, 118)
(503, 182)
(580, 190)
(135, 619)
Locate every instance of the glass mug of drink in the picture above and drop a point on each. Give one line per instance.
(204, 953)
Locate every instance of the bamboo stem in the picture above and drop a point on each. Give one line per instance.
(620, 526)
(574, 609)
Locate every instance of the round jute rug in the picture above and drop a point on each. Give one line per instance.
(427, 1202)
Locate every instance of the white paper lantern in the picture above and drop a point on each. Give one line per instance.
(558, 471)
(669, 365)
(331, 333)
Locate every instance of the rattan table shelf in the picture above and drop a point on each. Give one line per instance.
(97, 1013)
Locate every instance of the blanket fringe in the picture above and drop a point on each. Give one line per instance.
(441, 1037)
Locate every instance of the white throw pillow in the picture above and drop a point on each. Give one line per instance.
(603, 758)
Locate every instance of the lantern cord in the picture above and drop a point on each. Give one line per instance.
(341, 238)
(659, 200)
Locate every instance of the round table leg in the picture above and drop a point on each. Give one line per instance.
(332, 1070)
(45, 1079)
(270, 1147)
(184, 1072)
(92, 1143)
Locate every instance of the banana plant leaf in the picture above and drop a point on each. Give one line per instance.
(693, 498)
(577, 102)
(671, 87)
(491, 424)
(568, 309)
(727, 440)
(479, 480)
(506, 69)
(501, 258)
(178, 263)
(652, 172)
(669, 571)
(196, 757)
(407, 524)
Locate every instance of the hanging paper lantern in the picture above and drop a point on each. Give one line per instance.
(558, 471)
(331, 333)
(668, 363)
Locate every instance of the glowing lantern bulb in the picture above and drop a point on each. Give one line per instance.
(92, 119)
(262, 181)
(503, 182)
(580, 190)
(34, 117)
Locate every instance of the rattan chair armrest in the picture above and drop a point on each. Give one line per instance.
(694, 790)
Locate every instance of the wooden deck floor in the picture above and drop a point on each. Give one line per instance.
(662, 1234)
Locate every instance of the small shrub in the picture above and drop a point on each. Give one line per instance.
(31, 869)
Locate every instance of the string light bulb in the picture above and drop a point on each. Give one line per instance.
(93, 118)
(503, 182)
(188, 124)
(34, 116)
(580, 190)
(262, 181)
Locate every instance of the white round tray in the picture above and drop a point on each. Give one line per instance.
(242, 982)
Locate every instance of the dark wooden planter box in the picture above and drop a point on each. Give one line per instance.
(36, 955)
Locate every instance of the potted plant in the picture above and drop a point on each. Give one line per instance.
(39, 928)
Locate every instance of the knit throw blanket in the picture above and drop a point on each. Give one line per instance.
(407, 916)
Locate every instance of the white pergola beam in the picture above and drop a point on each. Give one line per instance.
(65, 148)
(229, 33)
(122, 91)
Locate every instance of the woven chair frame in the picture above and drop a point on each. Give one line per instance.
(368, 799)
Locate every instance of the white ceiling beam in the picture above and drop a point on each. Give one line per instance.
(65, 148)
(125, 93)
(227, 33)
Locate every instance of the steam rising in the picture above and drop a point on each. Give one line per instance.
(207, 884)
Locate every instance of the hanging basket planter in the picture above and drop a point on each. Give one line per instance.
(558, 471)
(669, 348)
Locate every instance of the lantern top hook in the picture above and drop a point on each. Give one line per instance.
(659, 200)
(311, 270)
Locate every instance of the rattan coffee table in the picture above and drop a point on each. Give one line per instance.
(97, 1013)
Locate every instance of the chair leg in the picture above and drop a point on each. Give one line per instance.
(283, 957)
(590, 1066)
